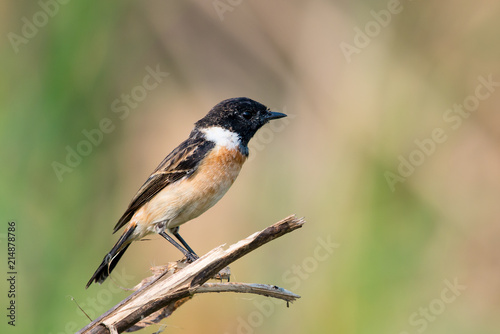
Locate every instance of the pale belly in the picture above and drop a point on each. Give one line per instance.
(189, 198)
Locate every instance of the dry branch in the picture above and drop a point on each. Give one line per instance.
(157, 297)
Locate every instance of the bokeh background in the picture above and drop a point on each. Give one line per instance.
(357, 102)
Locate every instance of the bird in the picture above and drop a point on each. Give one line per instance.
(191, 179)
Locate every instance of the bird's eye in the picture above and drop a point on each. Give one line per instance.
(246, 115)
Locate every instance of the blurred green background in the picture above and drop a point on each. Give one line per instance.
(363, 83)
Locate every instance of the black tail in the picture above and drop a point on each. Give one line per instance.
(111, 259)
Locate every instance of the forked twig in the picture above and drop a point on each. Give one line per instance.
(162, 294)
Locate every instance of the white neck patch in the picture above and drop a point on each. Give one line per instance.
(222, 137)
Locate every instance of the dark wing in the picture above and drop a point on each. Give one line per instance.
(181, 162)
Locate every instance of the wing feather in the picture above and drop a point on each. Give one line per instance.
(180, 163)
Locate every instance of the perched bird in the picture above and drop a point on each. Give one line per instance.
(191, 179)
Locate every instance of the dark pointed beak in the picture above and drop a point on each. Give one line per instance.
(274, 115)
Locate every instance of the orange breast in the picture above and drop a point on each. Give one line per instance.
(211, 181)
(218, 170)
(188, 198)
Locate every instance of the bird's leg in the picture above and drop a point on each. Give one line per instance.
(175, 232)
(186, 253)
